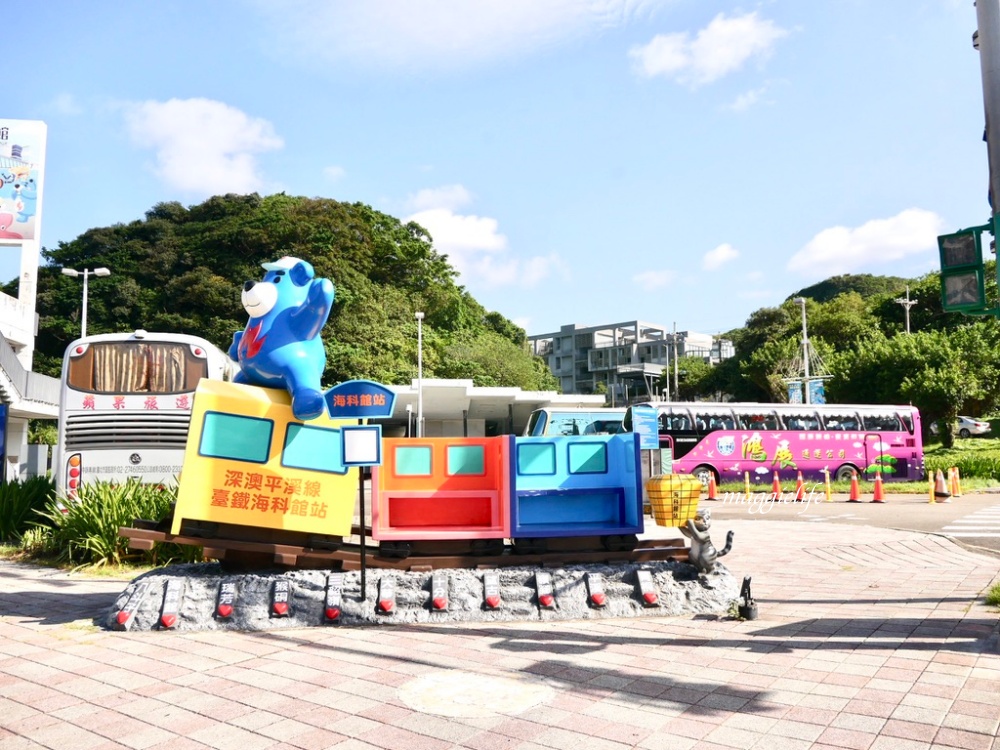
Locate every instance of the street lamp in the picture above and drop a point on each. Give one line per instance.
(805, 351)
(86, 272)
(420, 374)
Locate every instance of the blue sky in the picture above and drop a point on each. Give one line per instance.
(580, 161)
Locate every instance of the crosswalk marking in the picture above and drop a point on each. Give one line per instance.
(984, 524)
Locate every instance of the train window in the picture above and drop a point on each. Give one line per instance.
(536, 458)
(413, 461)
(882, 423)
(801, 421)
(236, 437)
(567, 424)
(842, 422)
(466, 459)
(588, 458)
(313, 448)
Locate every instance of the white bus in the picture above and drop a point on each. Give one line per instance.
(125, 406)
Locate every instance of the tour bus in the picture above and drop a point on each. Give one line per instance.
(557, 420)
(728, 440)
(125, 406)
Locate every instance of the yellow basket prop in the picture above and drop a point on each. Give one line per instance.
(673, 498)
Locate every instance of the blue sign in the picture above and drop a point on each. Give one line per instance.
(359, 399)
(795, 392)
(817, 394)
(646, 424)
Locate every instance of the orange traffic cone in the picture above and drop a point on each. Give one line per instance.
(878, 494)
(954, 482)
(712, 489)
(855, 496)
(800, 490)
(941, 493)
(776, 486)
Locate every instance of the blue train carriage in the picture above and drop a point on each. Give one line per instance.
(253, 472)
(569, 492)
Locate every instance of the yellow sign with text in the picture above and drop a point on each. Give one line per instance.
(249, 462)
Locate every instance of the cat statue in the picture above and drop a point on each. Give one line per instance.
(703, 554)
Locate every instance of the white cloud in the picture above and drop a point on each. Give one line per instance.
(203, 147)
(450, 197)
(66, 104)
(474, 244)
(744, 101)
(844, 249)
(719, 256)
(722, 47)
(334, 173)
(438, 33)
(650, 280)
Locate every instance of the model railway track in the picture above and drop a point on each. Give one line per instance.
(348, 556)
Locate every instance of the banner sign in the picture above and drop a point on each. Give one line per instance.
(22, 162)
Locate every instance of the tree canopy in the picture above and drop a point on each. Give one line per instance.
(949, 363)
(180, 269)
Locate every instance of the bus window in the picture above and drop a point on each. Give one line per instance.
(760, 420)
(802, 421)
(709, 421)
(675, 420)
(882, 423)
(842, 421)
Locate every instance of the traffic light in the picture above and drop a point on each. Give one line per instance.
(963, 287)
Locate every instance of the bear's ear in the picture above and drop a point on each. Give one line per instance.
(301, 273)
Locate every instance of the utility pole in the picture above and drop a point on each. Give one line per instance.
(677, 389)
(907, 304)
(987, 41)
(805, 352)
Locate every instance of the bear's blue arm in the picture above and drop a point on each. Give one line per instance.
(234, 348)
(309, 319)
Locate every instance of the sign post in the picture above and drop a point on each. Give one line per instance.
(362, 445)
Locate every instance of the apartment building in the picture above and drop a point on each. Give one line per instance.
(624, 359)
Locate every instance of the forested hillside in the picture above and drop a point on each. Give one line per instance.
(948, 364)
(181, 269)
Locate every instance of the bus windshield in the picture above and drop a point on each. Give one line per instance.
(135, 367)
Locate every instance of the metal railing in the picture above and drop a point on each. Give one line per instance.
(29, 386)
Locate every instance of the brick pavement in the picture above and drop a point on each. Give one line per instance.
(867, 638)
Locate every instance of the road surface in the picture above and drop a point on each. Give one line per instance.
(972, 520)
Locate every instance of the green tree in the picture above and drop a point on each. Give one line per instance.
(180, 269)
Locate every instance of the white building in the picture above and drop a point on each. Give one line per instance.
(627, 357)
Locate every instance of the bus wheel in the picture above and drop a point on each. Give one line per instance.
(845, 472)
(703, 472)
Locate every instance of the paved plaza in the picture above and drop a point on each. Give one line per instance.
(866, 638)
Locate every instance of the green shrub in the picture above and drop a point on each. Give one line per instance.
(85, 530)
(21, 504)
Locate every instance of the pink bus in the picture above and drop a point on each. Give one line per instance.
(728, 439)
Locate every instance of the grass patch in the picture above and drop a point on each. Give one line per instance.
(993, 595)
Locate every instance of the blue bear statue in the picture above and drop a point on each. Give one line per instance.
(281, 346)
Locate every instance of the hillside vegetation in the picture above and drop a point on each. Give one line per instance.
(181, 269)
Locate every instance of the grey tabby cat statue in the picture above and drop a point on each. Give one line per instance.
(703, 554)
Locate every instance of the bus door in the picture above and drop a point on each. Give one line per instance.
(878, 456)
(678, 424)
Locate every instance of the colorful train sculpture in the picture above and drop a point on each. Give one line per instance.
(271, 458)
